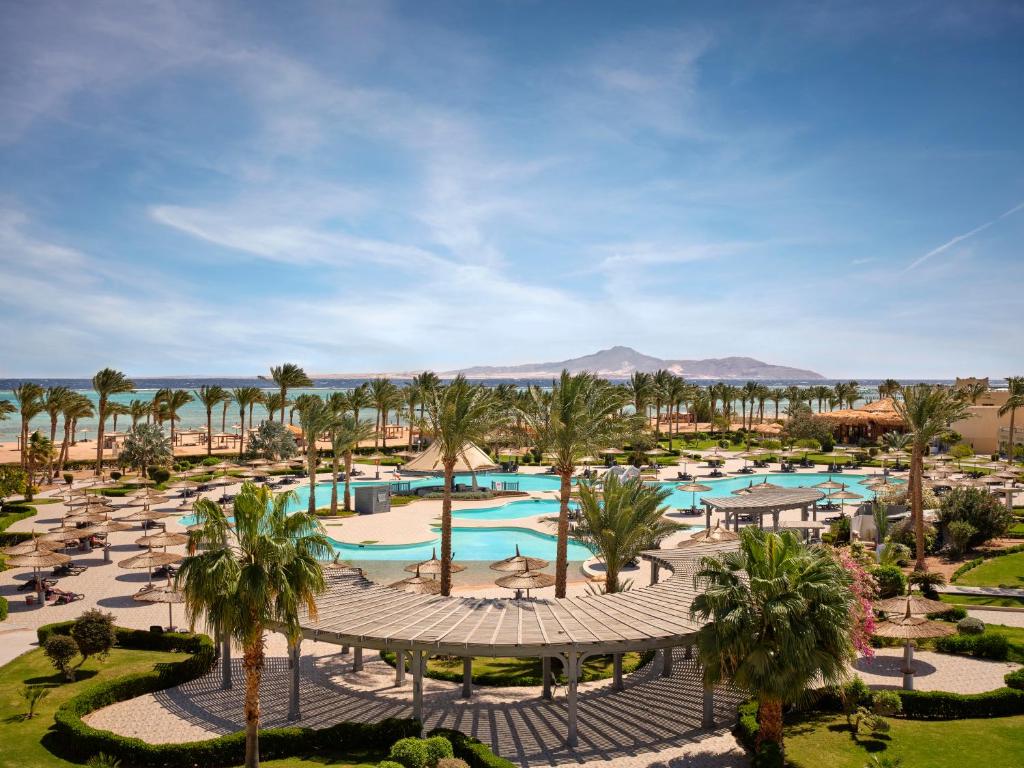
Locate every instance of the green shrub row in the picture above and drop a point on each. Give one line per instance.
(3, 607)
(473, 751)
(12, 513)
(1015, 679)
(942, 705)
(987, 645)
(971, 564)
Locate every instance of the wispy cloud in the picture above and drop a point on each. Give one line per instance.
(960, 238)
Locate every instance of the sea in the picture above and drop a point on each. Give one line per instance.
(193, 415)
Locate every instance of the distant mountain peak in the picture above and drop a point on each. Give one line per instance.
(621, 362)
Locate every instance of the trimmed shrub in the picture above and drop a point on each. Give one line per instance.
(438, 748)
(958, 536)
(970, 625)
(955, 613)
(3, 607)
(891, 580)
(476, 754)
(941, 705)
(159, 474)
(977, 507)
(1014, 679)
(411, 753)
(988, 645)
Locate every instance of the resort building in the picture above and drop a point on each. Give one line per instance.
(984, 429)
(868, 422)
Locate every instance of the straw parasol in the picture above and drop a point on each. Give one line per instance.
(106, 526)
(162, 539)
(166, 594)
(146, 515)
(519, 563)
(31, 545)
(831, 484)
(843, 496)
(909, 628)
(432, 566)
(711, 536)
(418, 585)
(38, 557)
(259, 463)
(150, 560)
(693, 488)
(656, 452)
(911, 605)
(525, 580)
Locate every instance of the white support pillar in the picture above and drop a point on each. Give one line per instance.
(357, 659)
(666, 662)
(295, 656)
(908, 666)
(617, 672)
(467, 677)
(708, 719)
(545, 673)
(417, 685)
(572, 675)
(399, 668)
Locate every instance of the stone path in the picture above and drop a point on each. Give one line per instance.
(654, 721)
(934, 671)
(957, 589)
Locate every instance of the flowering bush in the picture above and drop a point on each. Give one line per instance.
(864, 589)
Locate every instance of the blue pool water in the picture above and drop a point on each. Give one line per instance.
(488, 544)
(510, 511)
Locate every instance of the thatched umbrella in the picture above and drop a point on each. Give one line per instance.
(519, 563)
(38, 557)
(911, 605)
(432, 567)
(106, 526)
(831, 484)
(162, 539)
(843, 496)
(166, 594)
(30, 545)
(150, 560)
(527, 580)
(909, 628)
(693, 488)
(419, 585)
(711, 536)
(148, 515)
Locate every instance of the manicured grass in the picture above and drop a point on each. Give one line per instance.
(23, 740)
(980, 600)
(1007, 571)
(824, 739)
(520, 671)
(354, 759)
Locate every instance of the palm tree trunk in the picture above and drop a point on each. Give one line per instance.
(53, 440)
(412, 417)
(562, 546)
(64, 447)
(252, 662)
(334, 485)
(209, 432)
(446, 529)
(348, 481)
(917, 505)
(1009, 447)
(769, 717)
(241, 436)
(311, 462)
(99, 435)
(384, 428)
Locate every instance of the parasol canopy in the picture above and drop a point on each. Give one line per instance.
(831, 484)
(913, 628)
(38, 557)
(710, 536)
(29, 546)
(162, 539)
(910, 605)
(519, 563)
(526, 580)
(418, 585)
(432, 566)
(149, 559)
(165, 594)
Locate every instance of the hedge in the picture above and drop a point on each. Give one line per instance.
(941, 705)
(987, 645)
(3, 607)
(473, 751)
(971, 564)
(79, 741)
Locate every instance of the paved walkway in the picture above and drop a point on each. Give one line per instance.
(934, 671)
(957, 589)
(653, 721)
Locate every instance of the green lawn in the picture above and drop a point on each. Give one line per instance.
(824, 739)
(519, 671)
(1009, 602)
(334, 760)
(22, 740)
(1007, 571)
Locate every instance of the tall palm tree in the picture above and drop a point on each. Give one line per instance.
(748, 393)
(661, 384)
(426, 381)
(138, 410)
(888, 388)
(457, 414)
(779, 616)
(1015, 400)
(157, 405)
(315, 418)
(176, 400)
(793, 395)
(973, 391)
(383, 393)
(346, 433)
(29, 396)
(6, 409)
(78, 406)
(640, 386)
(678, 393)
(246, 398)
(38, 456)
(106, 383)
(360, 398)
(927, 411)
(621, 521)
(252, 576)
(53, 403)
(411, 394)
(211, 396)
(580, 416)
(288, 376)
(115, 410)
(776, 395)
(273, 402)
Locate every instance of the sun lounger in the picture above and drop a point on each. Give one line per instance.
(63, 598)
(69, 569)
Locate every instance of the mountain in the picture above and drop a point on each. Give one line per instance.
(620, 362)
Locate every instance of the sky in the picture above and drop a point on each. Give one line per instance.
(217, 187)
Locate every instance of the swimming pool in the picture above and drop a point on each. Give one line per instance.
(511, 510)
(487, 544)
(725, 486)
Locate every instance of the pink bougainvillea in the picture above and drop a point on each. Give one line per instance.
(864, 589)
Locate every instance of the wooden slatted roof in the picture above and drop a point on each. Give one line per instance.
(766, 500)
(355, 611)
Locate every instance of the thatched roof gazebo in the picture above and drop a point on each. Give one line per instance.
(869, 421)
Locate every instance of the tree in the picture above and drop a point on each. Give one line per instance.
(145, 446)
(411, 395)
(315, 418)
(211, 396)
(972, 392)
(621, 521)
(776, 395)
(927, 411)
(252, 576)
(888, 388)
(780, 620)
(1015, 400)
(53, 403)
(30, 404)
(78, 406)
(13, 481)
(246, 397)
(272, 441)
(640, 387)
(33, 694)
(426, 381)
(458, 414)
(346, 433)
(93, 631)
(384, 395)
(39, 456)
(107, 382)
(61, 650)
(273, 402)
(176, 400)
(579, 416)
(138, 410)
(984, 513)
(288, 376)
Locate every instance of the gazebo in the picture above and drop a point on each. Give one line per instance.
(763, 502)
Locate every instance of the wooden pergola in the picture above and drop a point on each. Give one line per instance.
(767, 501)
(358, 613)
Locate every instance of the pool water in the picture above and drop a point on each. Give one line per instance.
(510, 511)
(725, 486)
(487, 544)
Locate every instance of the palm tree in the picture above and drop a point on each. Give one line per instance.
(411, 395)
(315, 418)
(246, 398)
(6, 409)
(927, 411)
(678, 393)
(793, 396)
(776, 395)
(383, 393)
(359, 398)
(211, 396)
(78, 406)
(53, 403)
(1015, 400)
(457, 414)
(273, 402)
(115, 410)
(748, 394)
(888, 388)
(176, 400)
(661, 383)
(779, 616)
(579, 416)
(253, 576)
(106, 383)
(156, 405)
(138, 410)
(346, 433)
(621, 521)
(639, 388)
(38, 456)
(288, 376)
(426, 381)
(29, 396)
(973, 391)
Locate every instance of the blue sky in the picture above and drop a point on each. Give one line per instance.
(211, 188)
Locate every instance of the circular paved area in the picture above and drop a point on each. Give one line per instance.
(933, 671)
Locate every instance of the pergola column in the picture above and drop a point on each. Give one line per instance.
(467, 677)
(708, 716)
(617, 672)
(294, 657)
(655, 568)
(571, 672)
(545, 673)
(399, 668)
(803, 519)
(666, 662)
(707, 515)
(225, 662)
(735, 521)
(417, 684)
(357, 659)
(775, 520)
